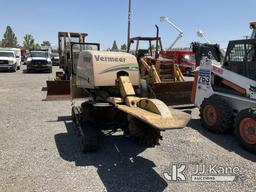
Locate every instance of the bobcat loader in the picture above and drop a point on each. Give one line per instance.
(225, 89)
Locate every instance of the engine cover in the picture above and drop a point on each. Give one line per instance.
(100, 68)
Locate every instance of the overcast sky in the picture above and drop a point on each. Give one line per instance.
(106, 20)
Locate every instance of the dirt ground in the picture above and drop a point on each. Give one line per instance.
(39, 150)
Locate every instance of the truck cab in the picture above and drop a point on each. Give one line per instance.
(185, 59)
(8, 60)
(39, 60)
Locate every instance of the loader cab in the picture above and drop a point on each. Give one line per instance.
(241, 57)
(153, 43)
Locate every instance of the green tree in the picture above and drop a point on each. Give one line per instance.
(123, 47)
(29, 42)
(9, 40)
(46, 43)
(114, 47)
(153, 47)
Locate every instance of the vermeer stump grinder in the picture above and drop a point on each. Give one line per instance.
(112, 80)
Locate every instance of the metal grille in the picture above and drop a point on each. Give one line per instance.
(3, 62)
(237, 53)
(39, 62)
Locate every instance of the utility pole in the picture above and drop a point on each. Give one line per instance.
(129, 22)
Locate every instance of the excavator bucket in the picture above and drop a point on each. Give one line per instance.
(172, 93)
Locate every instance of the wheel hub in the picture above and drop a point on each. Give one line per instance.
(210, 115)
(251, 131)
(248, 130)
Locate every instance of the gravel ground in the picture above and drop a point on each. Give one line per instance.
(39, 150)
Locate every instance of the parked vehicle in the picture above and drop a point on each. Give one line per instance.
(17, 52)
(8, 60)
(18, 56)
(55, 60)
(184, 58)
(24, 52)
(39, 60)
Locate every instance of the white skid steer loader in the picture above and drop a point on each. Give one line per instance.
(225, 89)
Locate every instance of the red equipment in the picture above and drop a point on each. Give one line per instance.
(184, 58)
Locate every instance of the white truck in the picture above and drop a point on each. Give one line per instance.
(39, 60)
(9, 60)
(18, 56)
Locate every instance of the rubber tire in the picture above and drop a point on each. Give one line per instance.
(89, 138)
(225, 118)
(15, 68)
(251, 112)
(187, 72)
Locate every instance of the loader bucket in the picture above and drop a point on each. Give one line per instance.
(58, 89)
(173, 93)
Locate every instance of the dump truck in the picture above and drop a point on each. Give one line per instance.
(163, 78)
(112, 80)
